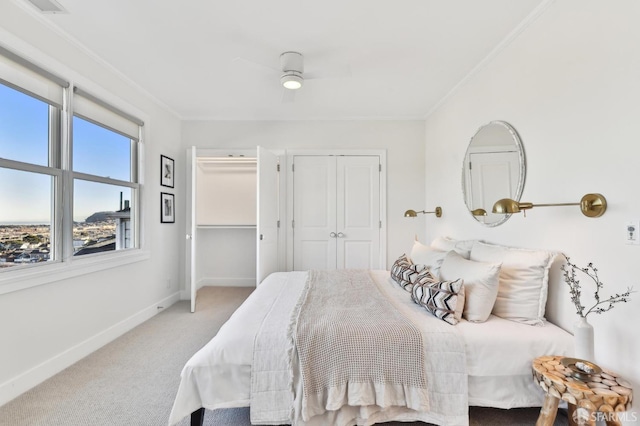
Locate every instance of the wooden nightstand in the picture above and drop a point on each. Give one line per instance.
(601, 396)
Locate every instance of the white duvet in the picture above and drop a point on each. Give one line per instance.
(498, 355)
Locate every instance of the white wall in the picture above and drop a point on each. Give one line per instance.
(44, 329)
(226, 257)
(403, 140)
(570, 86)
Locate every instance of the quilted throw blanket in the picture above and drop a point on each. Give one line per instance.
(355, 348)
(350, 355)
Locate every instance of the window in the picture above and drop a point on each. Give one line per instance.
(24, 127)
(90, 144)
(70, 176)
(104, 176)
(101, 217)
(28, 129)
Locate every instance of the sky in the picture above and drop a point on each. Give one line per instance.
(26, 197)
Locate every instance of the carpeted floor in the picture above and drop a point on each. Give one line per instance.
(133, 380)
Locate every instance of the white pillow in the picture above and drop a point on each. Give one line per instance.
(480, 284)
(427, 257)
(462, 247)
(524, 279)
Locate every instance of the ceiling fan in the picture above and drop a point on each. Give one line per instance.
(292, 74)
(292, 65)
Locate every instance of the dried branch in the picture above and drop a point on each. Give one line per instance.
(569, 272)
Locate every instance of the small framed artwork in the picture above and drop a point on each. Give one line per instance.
(166, 171)
(167, 208)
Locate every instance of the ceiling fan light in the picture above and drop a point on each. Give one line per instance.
(291, 81)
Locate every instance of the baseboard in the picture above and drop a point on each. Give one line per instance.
(38, 374)
(226, 282)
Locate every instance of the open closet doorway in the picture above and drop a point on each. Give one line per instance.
(232, 231)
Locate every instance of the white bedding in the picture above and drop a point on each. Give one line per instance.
(425, 381)
(498, 352)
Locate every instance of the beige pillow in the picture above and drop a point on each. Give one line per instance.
(480, 284)
(524, 278)
(427, 257)
(462, 247)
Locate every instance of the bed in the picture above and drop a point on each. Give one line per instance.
(472, 363)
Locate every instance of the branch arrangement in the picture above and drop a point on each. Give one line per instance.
(569, 272)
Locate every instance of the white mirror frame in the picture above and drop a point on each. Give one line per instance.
(514, 141)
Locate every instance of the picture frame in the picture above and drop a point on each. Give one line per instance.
(167, 208)
(167, 172)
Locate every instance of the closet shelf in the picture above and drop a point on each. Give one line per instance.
(225, 226)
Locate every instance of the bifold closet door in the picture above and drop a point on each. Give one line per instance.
(314, 213)
(190, 252)
(358, 212)
(336, 212)
(268, 214)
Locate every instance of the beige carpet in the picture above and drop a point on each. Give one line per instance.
(133, 380)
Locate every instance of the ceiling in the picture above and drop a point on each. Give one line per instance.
(218, 60)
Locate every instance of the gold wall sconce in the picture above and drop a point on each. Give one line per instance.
(591, 205)
(413, 213)
(479, 212)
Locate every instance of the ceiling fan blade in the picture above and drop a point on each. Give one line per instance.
(323, 64)
(336, 71)
(244, 62)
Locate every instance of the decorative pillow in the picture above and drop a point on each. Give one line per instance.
(480, 281)
(404, 272)
(428, 257)
(462, 247)
(443, 299)
(524, 279)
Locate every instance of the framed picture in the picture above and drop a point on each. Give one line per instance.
(167, 208)
(166, 171)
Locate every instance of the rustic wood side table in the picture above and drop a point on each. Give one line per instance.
(602, 395)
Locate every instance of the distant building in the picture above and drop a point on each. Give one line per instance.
(107, 244)
(123, 227)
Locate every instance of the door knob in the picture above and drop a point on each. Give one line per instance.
(332, 235)
(340, 235)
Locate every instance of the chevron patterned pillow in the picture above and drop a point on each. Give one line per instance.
(443, 299)
(405, 273)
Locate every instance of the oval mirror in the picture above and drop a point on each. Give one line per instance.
(494, 168)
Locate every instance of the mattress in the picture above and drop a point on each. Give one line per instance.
(499, 353)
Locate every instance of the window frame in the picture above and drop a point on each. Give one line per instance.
(133, 183)
(63, 263)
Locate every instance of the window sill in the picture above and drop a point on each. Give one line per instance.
(23, 278)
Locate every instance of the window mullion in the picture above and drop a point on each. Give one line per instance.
(27, 167)
(56, 125)
(100, 179)
(64, 209)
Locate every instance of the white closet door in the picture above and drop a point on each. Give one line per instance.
(267, 220)
(358, 212)
(190, 260)
(336, 212)
(314, 212)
